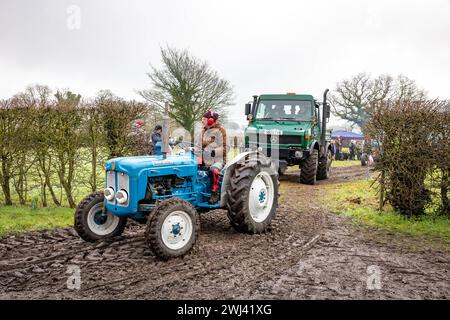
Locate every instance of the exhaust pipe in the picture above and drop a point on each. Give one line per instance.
(255, 101)
(324, 121)
(165, 131)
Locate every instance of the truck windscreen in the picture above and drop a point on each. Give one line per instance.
(301, 110)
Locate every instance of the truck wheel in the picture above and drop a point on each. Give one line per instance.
(323, 170)
(90, 222)
(172, 228)
(308, 171)
(252, 197)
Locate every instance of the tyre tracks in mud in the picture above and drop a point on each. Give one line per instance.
(224, 275)
(222, 264)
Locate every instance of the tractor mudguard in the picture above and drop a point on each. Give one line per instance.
(229, 167)
(312, 146)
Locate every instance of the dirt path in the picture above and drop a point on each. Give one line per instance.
(309, 253)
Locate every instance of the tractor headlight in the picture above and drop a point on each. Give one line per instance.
(122, 196)
(109, 193)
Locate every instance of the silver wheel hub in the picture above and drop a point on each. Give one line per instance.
(261, 196)
(176, 230)
(101, 223)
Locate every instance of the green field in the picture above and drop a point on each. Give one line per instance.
(14, 219)
(358, 200)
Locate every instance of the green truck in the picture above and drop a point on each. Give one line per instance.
(291, 129)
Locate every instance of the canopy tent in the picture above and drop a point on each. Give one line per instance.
(347, 135)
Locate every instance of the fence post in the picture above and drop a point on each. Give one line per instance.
(381, 191)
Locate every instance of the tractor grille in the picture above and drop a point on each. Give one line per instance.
(267, 138)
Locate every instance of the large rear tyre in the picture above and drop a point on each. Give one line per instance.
(323, 170)
(252, 196)
(172, 228)
(308, 171)
(92, 224)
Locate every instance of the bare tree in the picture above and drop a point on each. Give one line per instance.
(189, 85)
(352, 98)
(40, 102)
(118, 116)
(67, 140)
(7, 149)
(413, 154)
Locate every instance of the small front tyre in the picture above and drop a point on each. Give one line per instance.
(92, 224)
(172, 228)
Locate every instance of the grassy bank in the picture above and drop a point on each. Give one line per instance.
(14, 219)
(345, 163)
(357, 200)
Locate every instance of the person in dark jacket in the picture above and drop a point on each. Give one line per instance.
(156, 137)
(352, 149)
(338, 145)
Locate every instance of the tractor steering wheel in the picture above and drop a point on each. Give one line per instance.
(188, 146)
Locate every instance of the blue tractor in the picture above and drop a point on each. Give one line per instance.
(167, 192)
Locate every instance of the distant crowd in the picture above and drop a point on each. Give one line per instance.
(348, 150)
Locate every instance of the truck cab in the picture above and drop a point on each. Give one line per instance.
(288, 128)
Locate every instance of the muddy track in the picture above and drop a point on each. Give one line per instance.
(222, 264)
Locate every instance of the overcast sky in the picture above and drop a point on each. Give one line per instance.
(259, 46)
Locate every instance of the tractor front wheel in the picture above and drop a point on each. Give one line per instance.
(252, 197)
(172, 228)
(92, 224)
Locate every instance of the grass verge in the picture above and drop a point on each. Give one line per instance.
(345, 163)
(357, 200)
(15, 219)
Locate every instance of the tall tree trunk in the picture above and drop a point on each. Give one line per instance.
(94, 166)
(19, 185)
(444, 191)
(43, 189)
(6, 180)
(68, 191)
(66, 183)
(46, 172)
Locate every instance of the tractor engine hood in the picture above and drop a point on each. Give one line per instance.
(136, 165)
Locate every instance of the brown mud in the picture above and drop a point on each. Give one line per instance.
(309, 253)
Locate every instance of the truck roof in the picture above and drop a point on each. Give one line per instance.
(286, 97)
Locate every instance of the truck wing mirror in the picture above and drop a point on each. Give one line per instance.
(247, 108)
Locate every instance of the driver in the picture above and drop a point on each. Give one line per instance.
(214, 146)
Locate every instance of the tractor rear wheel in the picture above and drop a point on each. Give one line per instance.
(252, 196)
(172, 228)
(323, 170)
(92, 224)
(308, 170)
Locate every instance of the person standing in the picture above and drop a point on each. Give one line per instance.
(352, 148)
(359, 150)
(155, 138)
(338, 148)
(333, 149)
